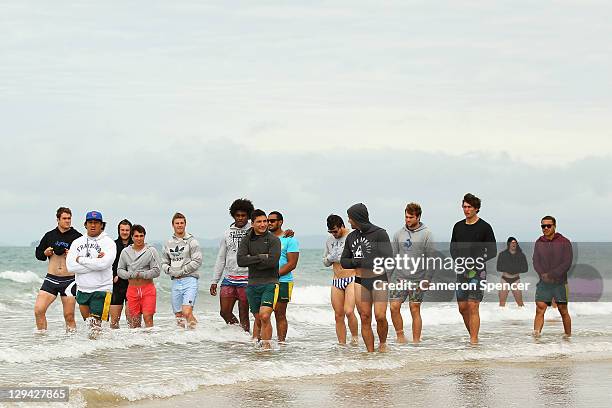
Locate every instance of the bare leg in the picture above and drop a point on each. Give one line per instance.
(382, 326)
(280, 314)
(115, 316)
(417, 323)
(518, 297)
(567, 320)
(180, 319)
(148, 319)
(189, 317)
(503, 296)
(398, 321)
(243, 313)
(538, 321)
(68, 303)
(349, 311)
(256, 327)
(337, 301)
(227, 309)
(465, 313)
(364, 307)
(474, 306)
(266, 326)
(43, 300)
(136, 321)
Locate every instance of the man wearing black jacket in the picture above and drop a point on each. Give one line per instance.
(472, 242)
(366, 243)
(120, 286)
(259, 250)
(53, 247)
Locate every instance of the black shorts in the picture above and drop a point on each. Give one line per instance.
(119, 292)
(59, 285)
(368, 283)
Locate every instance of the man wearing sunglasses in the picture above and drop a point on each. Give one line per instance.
(290, 253)
(552, 259)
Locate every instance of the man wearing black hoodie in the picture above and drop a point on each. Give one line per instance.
(364, 244)
(120, 286)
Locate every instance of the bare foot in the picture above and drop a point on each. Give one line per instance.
(354, 341)
(382, 347)
(474, 342)
(536, 334)
(566, 336)
(416, 341)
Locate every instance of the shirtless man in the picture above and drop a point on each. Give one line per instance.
(59, 281)
(343, 283)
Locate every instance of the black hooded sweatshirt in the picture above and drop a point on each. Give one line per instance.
(366, 243)
(59, 241)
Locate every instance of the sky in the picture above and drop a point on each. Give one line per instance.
(139, 110)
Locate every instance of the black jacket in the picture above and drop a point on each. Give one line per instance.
(366, 243)
(517, 263)
(57, 240)
(260, 253)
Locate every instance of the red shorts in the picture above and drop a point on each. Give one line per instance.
(141, 299)
(236, 292)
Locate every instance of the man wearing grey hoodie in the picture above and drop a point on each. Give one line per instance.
(235, 278)
(181, 259)
(139, 263)
(365, 246)
(413, 240)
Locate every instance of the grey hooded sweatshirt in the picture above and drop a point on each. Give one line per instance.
(333, 250)
(413, 244)
(144, 264)
(226, 259)
(182, 257)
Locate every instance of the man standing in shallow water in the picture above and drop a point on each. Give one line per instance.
(552, 259)
(59, 280)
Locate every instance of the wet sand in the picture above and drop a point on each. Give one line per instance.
(559, 382)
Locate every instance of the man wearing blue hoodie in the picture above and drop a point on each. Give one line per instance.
(364, 245)
(413, 240)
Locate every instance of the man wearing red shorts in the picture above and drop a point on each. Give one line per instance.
(139, 263)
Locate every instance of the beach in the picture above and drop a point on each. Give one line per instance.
(220, 364)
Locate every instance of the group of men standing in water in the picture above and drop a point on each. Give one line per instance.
(255, 265)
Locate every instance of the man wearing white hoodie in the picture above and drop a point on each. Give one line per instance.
(181, 259)
(91, 259)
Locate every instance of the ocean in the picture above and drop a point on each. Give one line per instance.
(168, 366)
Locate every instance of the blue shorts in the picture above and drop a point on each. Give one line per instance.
(184, 292)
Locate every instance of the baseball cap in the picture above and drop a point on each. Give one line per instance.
(93, 215)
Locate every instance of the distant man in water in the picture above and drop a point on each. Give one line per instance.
(260, 250)
(552, 259)
(472, 241)
(59, 280)
(290, 253)
(91, 259)
(366, 243)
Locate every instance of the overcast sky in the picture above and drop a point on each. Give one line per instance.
(138, 110)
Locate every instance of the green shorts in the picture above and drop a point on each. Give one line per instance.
(262, 295)
(546, 292)
(284, 291)
(98, 302)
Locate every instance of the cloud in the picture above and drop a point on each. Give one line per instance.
(202, 178)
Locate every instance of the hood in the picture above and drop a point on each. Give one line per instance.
(187, 237)
(359, 213)
(99, 237)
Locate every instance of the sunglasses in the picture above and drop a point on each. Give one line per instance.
(273, 220)
(545, 226)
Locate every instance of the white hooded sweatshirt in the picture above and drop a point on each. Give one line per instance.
(92, 274)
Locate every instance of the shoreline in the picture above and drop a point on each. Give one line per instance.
(563, 381)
